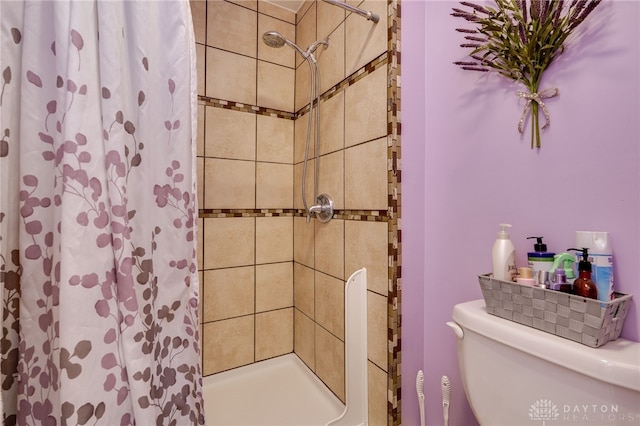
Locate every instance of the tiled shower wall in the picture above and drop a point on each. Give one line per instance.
(272, 283)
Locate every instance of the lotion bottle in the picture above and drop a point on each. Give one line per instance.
(584, 285)
(504, 256)
(540, 260)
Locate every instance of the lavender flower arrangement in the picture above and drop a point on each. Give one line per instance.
(520, 41)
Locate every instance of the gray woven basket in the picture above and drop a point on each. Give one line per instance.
(587, 321)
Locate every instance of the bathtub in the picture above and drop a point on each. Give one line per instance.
(280, 391)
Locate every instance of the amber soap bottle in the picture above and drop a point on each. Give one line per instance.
(583, 285)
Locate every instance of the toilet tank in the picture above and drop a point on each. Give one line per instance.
(516, 375)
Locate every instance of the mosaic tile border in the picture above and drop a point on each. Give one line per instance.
(394, 360)
(237, 106)
(351, 79)
(354, 215)
(348, 81)
(219, 213)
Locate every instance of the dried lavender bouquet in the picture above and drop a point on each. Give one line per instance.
(520, 41)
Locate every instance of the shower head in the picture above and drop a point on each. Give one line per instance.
(273, 39)
(277, 40)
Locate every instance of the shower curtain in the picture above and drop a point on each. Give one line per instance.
(98, 214)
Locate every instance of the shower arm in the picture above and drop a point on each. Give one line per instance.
(367, 14)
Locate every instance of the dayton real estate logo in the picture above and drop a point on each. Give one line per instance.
(543, 409)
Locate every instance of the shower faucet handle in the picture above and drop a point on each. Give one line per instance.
(323, 209)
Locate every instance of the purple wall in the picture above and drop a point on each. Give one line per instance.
(413, 197)
(466, 169)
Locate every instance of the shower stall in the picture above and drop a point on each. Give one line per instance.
(274, 137)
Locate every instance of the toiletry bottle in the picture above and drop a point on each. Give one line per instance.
(564, 261)
(559, 281)
(540, 260)
(601, 258)
(584, 285)
(504, 256)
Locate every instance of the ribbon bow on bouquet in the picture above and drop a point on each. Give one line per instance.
(537, 98)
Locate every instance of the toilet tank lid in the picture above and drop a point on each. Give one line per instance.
(617, 362)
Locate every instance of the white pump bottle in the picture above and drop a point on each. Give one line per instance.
(504, 256)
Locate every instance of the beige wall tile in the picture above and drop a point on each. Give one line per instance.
(230, 134)
(284, 55)
(200, 67)
(301, 126)
(303, 85)
(329, 17)
(200, 182)
(366, 40)
(303, 241)
(274, 286)
(276, 11)
(274, 186)
(331, 59)
(303, 289)
(229, 242)
(304, 340)
(200, 243)
(201, 298)
(199, 14)
(365, 179)
(367, 244)
(297, 184)
(366, 108)
(201, 136)
(274, 239)
(228, 293)
(377, 329)
(229, 184)
(306, 30)
(231, 27)
(227, 344)
(330, 361)
(230, 77)
(331, 180)
(274, 333)
(332, 124)
(275, 139)
(329, 247)
(377, 394)
(329, 299)
(275, 86)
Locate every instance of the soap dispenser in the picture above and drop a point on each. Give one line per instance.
(540, 261)
(583, 285)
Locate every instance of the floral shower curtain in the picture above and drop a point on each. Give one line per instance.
(98, 214)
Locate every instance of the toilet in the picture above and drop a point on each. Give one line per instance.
(515, 375)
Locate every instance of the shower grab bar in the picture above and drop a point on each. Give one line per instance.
(367, 14)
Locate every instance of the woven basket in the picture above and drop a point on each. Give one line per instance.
(587, 321)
